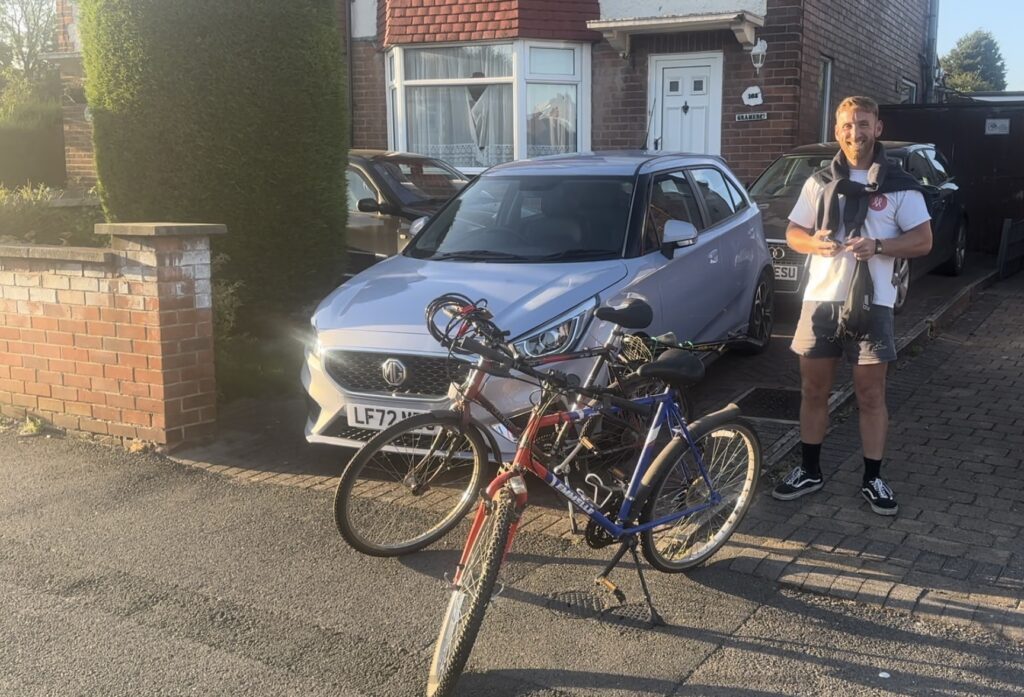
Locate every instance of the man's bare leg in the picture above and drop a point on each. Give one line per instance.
(869, 385)
(816, 378)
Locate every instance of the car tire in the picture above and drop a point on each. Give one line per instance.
(762, 317)
(901, 277)
(954, 266)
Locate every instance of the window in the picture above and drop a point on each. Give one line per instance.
(358, 188)
(532, 218)
(825, 100)
(919, 168)
(671, 199)
(938, 163)
(415, 180)
(715, 192)
(908, 91)
(477, 105)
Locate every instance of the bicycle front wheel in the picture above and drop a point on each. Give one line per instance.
(731, 454)
(468, 602)
(409, 485)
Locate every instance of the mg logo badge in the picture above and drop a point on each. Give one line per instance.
(393, 371)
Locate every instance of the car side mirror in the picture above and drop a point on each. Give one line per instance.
(418, 225)
(368, 205)
(678, 233)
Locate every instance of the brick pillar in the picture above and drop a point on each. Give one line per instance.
(167, 296)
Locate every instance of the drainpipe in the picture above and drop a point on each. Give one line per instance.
(931, 58)
(348, 68)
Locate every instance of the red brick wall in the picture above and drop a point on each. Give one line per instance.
(797, 32)
(64, 18)
(116, 342)
(418, 21)
(369, 112)
(872, 44)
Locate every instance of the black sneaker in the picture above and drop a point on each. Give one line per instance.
(796, 484)
(880, 496)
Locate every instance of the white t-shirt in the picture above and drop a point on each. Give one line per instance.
(889, 215)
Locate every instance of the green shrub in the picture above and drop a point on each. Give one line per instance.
(35, 215)
(225, 112)
(31, 131)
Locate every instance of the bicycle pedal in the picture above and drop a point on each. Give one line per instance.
(607, 584)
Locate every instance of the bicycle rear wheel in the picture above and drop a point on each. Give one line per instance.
(409, 485)
(732, 458)
(468, 602)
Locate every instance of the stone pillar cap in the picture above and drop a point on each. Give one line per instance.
(159, 229)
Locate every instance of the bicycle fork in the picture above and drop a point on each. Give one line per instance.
(654, 618)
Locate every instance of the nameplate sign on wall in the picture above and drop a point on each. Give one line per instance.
(753, 116)
(997, 127)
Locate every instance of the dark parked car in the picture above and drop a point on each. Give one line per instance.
(778, 187)
(386, 192)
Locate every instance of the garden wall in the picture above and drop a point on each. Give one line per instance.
(114, 341)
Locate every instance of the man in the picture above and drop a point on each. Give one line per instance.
(862, 209)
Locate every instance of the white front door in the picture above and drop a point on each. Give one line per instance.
(686, 103)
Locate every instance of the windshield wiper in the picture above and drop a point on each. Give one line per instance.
(477, 255)
(571, 254)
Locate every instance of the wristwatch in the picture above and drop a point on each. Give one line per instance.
(878, 246)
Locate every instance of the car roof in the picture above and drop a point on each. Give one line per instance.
(366, 154)
(892, 147)
(607, 163)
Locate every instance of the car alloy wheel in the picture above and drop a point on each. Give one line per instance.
(762, 317)
(901, 276)
(954, 266)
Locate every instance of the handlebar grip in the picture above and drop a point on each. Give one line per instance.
(474, 346)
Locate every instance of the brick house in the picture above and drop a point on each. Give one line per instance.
(478, 83)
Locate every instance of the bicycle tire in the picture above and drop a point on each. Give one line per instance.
(618, 441)
(466, 608)
(732, 458)
(391, 500)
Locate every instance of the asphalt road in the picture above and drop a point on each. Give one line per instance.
(126, 574)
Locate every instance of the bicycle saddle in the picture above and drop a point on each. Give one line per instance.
(676, 367)
(635, 314)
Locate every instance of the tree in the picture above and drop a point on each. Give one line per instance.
(226, 112)
(27, 30)
(975, 64)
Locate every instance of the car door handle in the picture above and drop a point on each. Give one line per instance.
(713, 256)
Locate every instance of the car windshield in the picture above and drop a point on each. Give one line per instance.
(416, 180)
(531, 219)
(786, 176)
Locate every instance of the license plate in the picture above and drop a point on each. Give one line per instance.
(376, 418)
(786, 272)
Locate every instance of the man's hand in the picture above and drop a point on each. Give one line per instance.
(863, 248)
(823, 244)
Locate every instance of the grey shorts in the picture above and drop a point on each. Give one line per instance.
(815, 335)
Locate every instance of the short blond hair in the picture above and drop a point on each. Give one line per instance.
(857, 102)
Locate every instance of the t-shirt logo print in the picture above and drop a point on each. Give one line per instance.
(878, 202)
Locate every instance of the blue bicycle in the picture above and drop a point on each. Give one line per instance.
(680, 506)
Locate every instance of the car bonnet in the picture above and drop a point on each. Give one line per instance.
(388, 300)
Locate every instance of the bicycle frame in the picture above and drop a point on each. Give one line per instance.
(667, 413)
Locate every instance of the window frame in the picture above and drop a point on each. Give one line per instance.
(396, 84)
(709, 225)
(825, 99)
(701, 225)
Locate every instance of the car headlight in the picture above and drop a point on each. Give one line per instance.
(559, 335)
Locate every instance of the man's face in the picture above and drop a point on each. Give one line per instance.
(856, 132)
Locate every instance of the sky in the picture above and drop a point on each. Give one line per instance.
(1004, 19)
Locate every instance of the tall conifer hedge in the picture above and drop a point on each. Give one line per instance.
(231, 111)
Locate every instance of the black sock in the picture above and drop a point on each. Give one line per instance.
(871, 469)
(812, 459)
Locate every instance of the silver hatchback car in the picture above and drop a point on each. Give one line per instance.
(545, 242)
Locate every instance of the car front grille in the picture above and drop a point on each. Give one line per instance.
(782, 255)
(362, 371)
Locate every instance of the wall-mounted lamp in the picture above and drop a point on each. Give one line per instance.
(757, 54)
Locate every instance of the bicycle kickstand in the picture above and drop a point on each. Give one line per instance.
(654, 618)
(602, 579)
